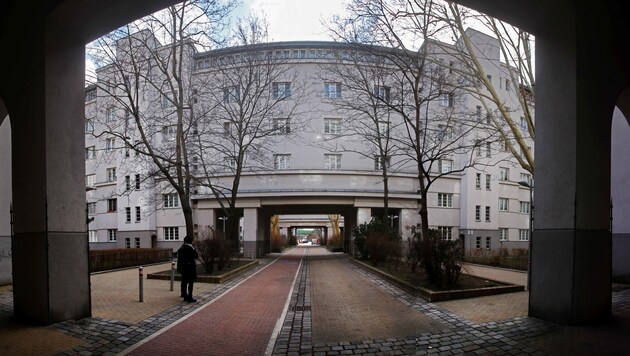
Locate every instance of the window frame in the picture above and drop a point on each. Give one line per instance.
(112, 205)
(445, 200)
(332, 90)
(504, 204)
(332, 126)
(170, 200)
(281, 161)
(332, 164)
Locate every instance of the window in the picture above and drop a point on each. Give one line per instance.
(109, 144)
(382, 92)
(281, 161)
(91, 208)
(488, 180)
(112, 205)
(504, 174)
(489, 78)
(488, 118)
(281, 126)
(446, 100)
(127, 214)
(507, 85)
(445, 200)
(332, 126)
(111, 174)
(230, 162)
(127, 148)
(127, 183)
(478, 113)
(446, 232)
(89, 126)
(137, 240)
(444, 133)
(93, 237)
(478, 147)
(231, 94)
(504, 204)
(90, 153)
(111, 235)
(445, 165)
(383, 128)
(170, 200)
(167, 100)
(127, 242)
(478, 181)
(138, 214)
(487, 214)
(478, 242)
(169, 133)
(504, 234)
(227, 128)
(379, 161)
(137, 181)
(523, 124)
(451, 64)
(505, 145)
(477, 212)
(110, 115)
(90, 95)
(171, 233)
(90, 180)
(524, 207)
(332, 161)
(332, 90)
(488, 240)
(488, 149)
(526, 177)
(281, 90)
(523, 235)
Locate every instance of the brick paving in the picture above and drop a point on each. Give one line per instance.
(477, 329)
(497, 274)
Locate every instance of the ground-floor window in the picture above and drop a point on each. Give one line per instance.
(171, 233)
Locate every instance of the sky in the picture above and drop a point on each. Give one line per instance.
(294, 20)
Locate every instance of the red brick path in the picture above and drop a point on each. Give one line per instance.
(238, 323)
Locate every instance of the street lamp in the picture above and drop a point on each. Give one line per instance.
(530, 186)
(223, 218)
(391, 219)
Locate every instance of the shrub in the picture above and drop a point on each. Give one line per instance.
(376, 241)
(414, 250)
(440, 259)
(213, 249)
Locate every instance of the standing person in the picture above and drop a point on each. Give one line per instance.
(187, 267)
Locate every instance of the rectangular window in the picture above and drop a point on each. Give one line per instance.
(445, 200)
(332, 161)
(478, 181)
(167, 100)
(90, 153)
(281, 161)
(127, 183)
(127, 214)
(382, 92)
(281, 126)
(112, 205)
(477, 212)
(110, 115)
(527, 178)
(446, 232)
(232, 94)
(169, 133)
(504, 174)
(90, 180)
(137, 240)
(478, 242)
(111, 235)
(478, 113)
(89, 126)
(523, 124)
(487, 214)
(170, 200)
(111, 174)
(504, 234)
(478, 147)
(446, 100)
(91, 208)
(230, 163)
(504, 204)
(383, 128)
(507, 84)
(332, 90)
(379, 161)
(523, 235)
(488, 180)
(488, 149)
(281, 90)
(127, 242)
(227, 128)
(138, 214)
(445, 166)
(171, 233)
(109, 144)
(332, 126)
(137, 181)
(524, 207)
(93, 237)
(488, 241)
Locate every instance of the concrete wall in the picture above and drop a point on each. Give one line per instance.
(6, 268)
(620, 181)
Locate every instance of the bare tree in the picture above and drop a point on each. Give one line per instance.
(438, 134)
(250, 101)
(145, 94)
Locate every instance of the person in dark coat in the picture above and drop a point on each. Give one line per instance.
(187, 267)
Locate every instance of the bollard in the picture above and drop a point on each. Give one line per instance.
(251, 254)
(172, 274)
(141, 287)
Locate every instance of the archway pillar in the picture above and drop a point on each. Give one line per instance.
(571, 244)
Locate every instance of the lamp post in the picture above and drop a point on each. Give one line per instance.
(530, 186)
(391, 219)
(223, 218)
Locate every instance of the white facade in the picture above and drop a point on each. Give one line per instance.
(298, 174)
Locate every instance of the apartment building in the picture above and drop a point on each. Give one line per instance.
(312, 154)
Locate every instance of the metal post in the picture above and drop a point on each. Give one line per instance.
(141, 287)
(172, 274)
